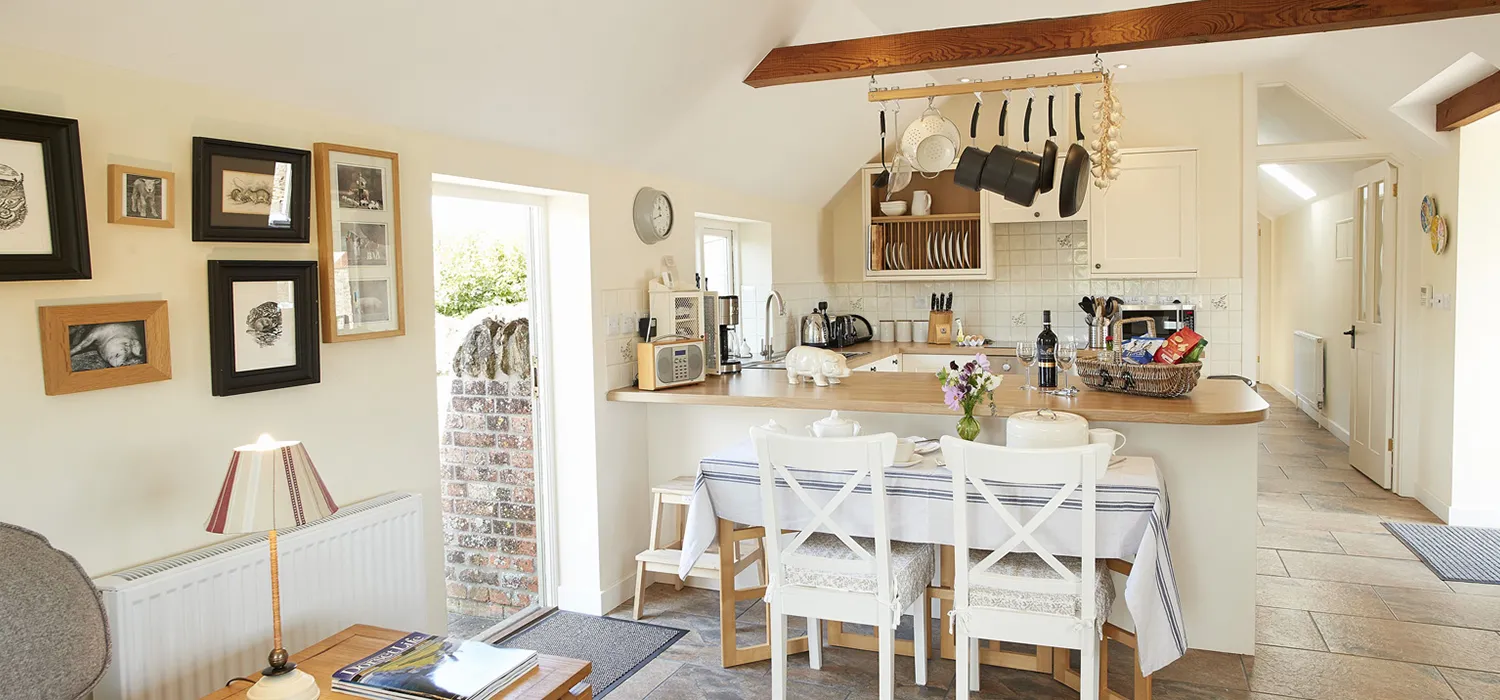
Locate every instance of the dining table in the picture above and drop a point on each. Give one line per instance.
(1133, 513)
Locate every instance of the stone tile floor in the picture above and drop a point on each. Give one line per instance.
(1345, 612)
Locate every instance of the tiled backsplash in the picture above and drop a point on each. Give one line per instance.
(1038, 267)
(623, 308)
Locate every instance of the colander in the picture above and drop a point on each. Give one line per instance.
(930, 143)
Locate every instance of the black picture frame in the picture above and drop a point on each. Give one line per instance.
(224, 324)
(62, 160)
(212, 224)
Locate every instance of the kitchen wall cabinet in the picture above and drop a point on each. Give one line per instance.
(1146, 223)
(950, 243)
(1042, 210)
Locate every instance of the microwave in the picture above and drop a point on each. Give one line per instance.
(1169, 319)
(663, 364)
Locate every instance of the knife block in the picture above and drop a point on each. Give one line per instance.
(940, 328)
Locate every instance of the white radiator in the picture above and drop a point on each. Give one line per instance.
(184, 625)
(1308, 366)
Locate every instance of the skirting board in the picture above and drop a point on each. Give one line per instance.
(1430, 501)
(1312, 412)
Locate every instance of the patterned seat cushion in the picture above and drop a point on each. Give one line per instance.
(1033, 566)
(911, 566)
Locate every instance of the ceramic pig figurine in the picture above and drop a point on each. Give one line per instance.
(824, 366)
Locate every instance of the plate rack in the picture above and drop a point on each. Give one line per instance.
(938, 243)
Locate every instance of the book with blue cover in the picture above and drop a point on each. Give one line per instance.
(425, 667)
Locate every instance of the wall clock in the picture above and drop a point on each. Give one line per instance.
(653, 215)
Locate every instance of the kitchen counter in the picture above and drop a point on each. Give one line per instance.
(1214, 402)
(1205, 445)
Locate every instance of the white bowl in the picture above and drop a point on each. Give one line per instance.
(893, 208)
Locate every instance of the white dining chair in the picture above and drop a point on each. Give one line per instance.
(1030, 597)
(817, 569)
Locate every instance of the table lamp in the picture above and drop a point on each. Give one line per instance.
(272, 485)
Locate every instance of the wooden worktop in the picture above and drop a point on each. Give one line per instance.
(1214, 402)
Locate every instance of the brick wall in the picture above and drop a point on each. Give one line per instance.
(489, 497)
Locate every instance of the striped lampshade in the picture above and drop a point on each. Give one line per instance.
(269, 485)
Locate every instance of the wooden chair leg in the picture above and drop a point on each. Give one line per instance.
(1088, 670)
(921, 635)
(778, 657)
(962, 662)
(814, 644)
(1103, 666)
(682, 538)
(640, 590)
(887, 661)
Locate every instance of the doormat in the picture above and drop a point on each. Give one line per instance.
(617, 648)
(1464, 554)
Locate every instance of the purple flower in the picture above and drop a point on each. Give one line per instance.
(982, 361)
(951, 395)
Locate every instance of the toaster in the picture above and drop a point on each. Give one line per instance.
(662, 364)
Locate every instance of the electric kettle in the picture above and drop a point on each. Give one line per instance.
(815, 329)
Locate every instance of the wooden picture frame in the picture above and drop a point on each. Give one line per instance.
(100, 346)
(359, 242)
(253, 346)
(249, 193)
(142, 197)
(43, 223)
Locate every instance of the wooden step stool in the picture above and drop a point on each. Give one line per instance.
(666, 559)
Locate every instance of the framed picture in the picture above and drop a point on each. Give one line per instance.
(142, 197)
(359, 242)
(43, 226)
(243, 192)
(99, 346)
(262, 324)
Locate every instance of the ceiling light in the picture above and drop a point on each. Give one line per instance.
(1291, 181)
(1121, 66)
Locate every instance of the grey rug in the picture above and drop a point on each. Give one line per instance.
(1465, 554)
(617, 648)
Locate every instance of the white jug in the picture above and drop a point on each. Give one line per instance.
(921, 203)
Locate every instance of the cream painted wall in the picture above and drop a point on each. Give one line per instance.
(1431, 334)
(1476, 473)
(1203, 113)
(122, 476)
(1314, 293)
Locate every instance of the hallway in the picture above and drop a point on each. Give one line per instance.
(1345, 611)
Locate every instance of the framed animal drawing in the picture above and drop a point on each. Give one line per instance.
(262, 324)
(43, 226)
(142, 197)
(245, 192)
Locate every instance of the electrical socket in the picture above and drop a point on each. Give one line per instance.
(1442, 302)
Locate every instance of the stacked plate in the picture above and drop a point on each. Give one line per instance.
(949, 250)
(896, 256)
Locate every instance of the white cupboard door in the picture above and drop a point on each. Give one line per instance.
(1147, 221)
(1043, 209)
(1374, 313)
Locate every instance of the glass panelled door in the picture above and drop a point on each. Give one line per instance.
(1371, 335)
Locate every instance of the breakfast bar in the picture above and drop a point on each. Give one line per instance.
(1204, 446)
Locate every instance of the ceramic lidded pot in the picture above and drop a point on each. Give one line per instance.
(1046, 429)
(834, 426)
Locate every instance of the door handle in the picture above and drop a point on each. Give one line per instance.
(1350, 333)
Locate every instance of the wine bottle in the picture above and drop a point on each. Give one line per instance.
(1046, 354)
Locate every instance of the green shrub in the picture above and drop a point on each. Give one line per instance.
(473, 274)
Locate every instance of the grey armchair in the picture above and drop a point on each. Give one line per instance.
(54, 634)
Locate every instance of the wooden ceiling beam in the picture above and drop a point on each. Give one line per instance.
(1198, 22)
(1473, 103)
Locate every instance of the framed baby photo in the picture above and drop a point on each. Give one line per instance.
(101, 346)
(359, 242)
(245, 192)
(43, 226)
(142, 197)
(262, 324)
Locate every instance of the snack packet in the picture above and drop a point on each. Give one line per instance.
(1178, 346)
(1140, 351)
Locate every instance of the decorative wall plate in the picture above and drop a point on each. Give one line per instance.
(1429, 212)
(1439, 234)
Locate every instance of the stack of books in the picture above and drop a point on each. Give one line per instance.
(425, 667)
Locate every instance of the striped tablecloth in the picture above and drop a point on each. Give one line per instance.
(1132, 524)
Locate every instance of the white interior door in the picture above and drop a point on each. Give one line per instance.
(1372, 334)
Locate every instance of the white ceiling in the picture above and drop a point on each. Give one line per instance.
(656, 84)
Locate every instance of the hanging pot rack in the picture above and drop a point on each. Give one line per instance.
(878, 94)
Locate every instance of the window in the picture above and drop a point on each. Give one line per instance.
(718, 256)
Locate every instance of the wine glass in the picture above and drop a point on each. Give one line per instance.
(1026, 353)
(1067, 353)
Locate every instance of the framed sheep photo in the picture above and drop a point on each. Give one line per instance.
(359, 242)
(142, 197)
(100, 346)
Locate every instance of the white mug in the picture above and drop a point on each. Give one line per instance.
(1105, 436)
(921, 203)
(906, 450)
(887, 331)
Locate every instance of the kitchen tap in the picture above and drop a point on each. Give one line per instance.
(767, 348)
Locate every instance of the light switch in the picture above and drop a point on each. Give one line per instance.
(1442, 302)
(1424, 295)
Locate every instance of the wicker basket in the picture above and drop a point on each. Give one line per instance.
(1162, 381)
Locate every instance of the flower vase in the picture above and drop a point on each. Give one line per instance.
(968, 428)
